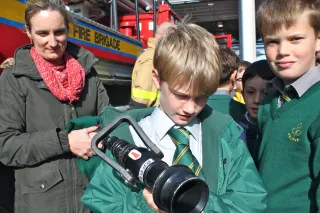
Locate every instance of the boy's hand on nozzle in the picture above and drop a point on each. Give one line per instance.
(80, 142)
(147, 194)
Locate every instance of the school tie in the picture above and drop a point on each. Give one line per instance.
(183, 155)
(285, 97)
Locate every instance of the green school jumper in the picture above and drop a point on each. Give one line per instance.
(226, 105)
(289, 154)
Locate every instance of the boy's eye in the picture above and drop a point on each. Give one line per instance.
(271, 42)
(201, 98)
(296, 39)
(182, 97)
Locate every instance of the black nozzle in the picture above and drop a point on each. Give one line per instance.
(175, 189)
(178, 190)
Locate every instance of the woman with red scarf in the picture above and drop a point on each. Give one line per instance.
(51, 82)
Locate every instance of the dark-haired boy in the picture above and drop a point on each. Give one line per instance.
(222, 100)
(254, 82)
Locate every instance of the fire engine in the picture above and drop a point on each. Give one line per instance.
(115, 31)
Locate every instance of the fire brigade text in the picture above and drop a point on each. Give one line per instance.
(96, 37)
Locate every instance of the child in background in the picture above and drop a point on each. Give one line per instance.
(243, 65)
(254, 82)
(289, 118)
(222, 100)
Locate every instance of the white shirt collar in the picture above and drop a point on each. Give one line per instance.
(162, 124)
(249, 119)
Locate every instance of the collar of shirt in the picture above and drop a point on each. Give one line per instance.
(301, 85)
(162, 124)
(275, 83)
(306, 81)
(222, 92)
(250, 120)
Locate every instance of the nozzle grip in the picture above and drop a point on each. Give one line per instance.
(103, 134)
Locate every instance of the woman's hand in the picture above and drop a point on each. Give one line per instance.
(80, 142)
(147, 194)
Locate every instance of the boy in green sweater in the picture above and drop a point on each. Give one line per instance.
(186, 71)
(289, 118)
(222, 100)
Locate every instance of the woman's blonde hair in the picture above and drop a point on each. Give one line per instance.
(273, 14)
(187, 54)
(35, 6)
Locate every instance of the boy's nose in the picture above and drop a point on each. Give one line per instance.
(257, 98)
(190, 107)
(283, 48)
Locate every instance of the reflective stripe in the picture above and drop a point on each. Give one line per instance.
(143, 94)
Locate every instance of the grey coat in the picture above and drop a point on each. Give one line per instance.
(33, 138)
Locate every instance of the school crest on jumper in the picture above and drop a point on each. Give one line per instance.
(295, 133)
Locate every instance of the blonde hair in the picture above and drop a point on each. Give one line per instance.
(273, 14)
(187, 54)
(7, 63)
(35, 6)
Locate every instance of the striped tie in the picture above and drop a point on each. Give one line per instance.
(285, 97)
(183, 154)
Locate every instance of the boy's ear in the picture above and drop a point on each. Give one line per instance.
(318, 42)
(155, 78)
(233, 77)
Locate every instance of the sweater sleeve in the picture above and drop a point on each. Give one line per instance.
(314, 134)
(316, 173)
(18, 148)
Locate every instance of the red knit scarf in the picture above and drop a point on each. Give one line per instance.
(64, 81)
